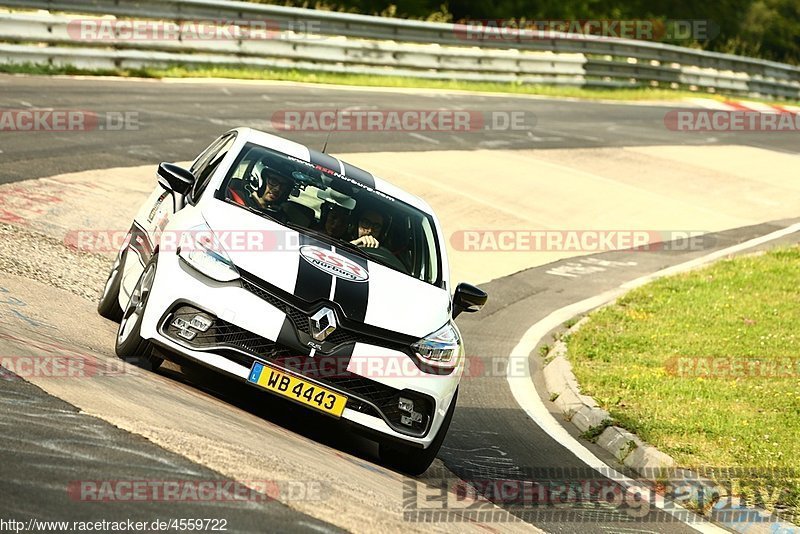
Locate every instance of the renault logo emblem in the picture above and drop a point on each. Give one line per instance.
(322, 324)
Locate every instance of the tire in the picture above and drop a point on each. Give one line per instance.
(108, 306)
(129, 345)
(411, 460)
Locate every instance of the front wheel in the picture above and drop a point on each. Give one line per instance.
(129, 345)
(108, 306)
(411, 460)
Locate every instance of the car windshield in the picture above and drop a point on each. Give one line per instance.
(322, 202)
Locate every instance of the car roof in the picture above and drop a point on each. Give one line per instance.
(344, 170)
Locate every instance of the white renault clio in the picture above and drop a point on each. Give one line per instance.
(303, 275)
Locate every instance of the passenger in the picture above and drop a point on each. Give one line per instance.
(370, 226)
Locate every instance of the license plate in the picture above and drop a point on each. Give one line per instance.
(297, 389)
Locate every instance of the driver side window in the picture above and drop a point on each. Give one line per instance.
(208, 162)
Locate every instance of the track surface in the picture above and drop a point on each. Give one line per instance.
(48, 445)
(491, 438)
(177, 120)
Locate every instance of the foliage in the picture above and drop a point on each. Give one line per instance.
(768, 29)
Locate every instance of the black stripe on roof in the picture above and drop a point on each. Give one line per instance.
(359, 175)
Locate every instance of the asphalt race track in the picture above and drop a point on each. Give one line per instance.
(183, 423)
(177, 120)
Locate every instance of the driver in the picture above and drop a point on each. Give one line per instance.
(269, 192)
(274, 190)
(370, 225)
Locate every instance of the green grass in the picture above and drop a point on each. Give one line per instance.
(742, 308)
(367, 81)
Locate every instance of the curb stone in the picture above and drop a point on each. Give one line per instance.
(645, 460)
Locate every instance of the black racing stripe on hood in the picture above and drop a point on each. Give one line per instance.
(320, 158)
(319, 366)
(353, 297)
(312, 284)
(359, 175)
(288, 338)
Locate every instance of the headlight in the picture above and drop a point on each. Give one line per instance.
(440, 349)
(205, 254)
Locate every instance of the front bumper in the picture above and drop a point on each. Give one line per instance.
(248, 327)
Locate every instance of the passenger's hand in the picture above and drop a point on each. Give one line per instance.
(366, 241)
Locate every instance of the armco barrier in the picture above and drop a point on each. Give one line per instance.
(387, 46)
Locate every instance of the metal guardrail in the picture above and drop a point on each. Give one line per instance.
(321, 53)
(379, 45)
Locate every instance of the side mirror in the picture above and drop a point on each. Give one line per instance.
(468, 298)
(174, 178)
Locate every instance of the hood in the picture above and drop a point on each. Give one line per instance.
(313, 270)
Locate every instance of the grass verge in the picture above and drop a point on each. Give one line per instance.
(705, 367)
(646, 94)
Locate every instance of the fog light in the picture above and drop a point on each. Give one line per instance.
(415, 417)
(180, 324)
(187, 334)
(201, 323)
(188, 329)
(406, 405)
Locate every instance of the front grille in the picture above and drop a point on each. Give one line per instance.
(298, 313)
(364, 395)
(299, 319)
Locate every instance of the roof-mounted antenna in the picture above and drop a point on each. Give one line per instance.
(335, 120)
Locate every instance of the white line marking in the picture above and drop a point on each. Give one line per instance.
(537, 139)
(572, 135)
(493, 143)
(312, 526)
(423, 138)
(528, 399)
